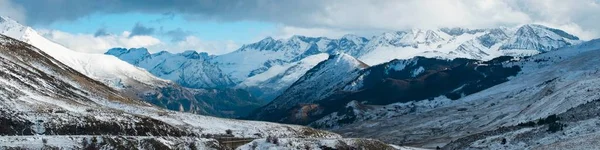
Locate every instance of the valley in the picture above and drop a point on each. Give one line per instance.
(528, 86)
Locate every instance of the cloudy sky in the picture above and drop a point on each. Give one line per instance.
(221, 26)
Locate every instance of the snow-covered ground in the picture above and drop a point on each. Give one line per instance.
(320, 144)
(107, 142)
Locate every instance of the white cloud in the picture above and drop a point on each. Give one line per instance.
(99, 44)
(289, 31)
(90, 44)
(334, 18)
(579, 17)
(195, 43)
(396, 15)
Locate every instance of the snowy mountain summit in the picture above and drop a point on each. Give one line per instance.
(190, 68)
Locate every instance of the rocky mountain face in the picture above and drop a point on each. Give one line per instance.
(136, 82)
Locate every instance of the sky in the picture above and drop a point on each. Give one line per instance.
(221, 26)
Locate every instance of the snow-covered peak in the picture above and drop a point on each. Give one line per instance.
(12, 28)
(266, 44)
(4, 19)
(117, 51)
(267, 39)
(189, 68)
(541, 38)
(412, 38)
(192, 54)
(133, 55)
(344, 59)
(460, 31)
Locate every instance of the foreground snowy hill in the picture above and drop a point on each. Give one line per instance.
(104, 68)
(137, 82)
(41, 96)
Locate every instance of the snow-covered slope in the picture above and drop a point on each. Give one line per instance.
(39, 95)
(537, 37)
(549, 83)
(328, 77)
(274, 81)
(189, 69)
(107, 69)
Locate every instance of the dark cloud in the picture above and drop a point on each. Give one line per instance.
(356, 15)
(101, 32)
(165, 17)
(140, 29)
(284, 11)
(178, 34)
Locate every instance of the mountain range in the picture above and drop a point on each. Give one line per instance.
(256, 62)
